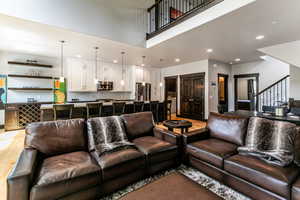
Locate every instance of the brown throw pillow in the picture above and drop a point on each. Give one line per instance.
(272, 141)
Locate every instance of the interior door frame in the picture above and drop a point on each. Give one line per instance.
(226, 76)
(176, 78)
(202, 75)
(236, 77)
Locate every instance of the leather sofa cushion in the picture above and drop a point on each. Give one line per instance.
(64, 174)
(156, 150)
(212, 150)
(138, 124)
(229, 128)
(56, 137)
(296, 190)
(120, 162)
(274, 178)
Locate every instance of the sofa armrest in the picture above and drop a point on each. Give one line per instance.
(20, 178)
(168, 136)
(196, 135)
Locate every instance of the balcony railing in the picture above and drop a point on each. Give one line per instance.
(166, 13)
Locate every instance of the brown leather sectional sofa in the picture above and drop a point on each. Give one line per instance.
(214, 151)
(56, 163)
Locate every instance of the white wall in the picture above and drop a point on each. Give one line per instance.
(270, 70)
(295, 82)
(21, 96)
(106, 19)
(189, 68)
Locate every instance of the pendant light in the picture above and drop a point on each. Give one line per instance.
(122, 81)
(96, 66)
(160, 81)
(143, 65)
(62, 78)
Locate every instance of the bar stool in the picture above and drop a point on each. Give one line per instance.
(138, 106)
(154, 109)
(168, 109)
(93, 110)
(63, 112)
(118, 108)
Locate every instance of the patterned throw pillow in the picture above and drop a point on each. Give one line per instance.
(297, 147)
(270, 140)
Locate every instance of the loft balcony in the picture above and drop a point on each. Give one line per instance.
(165, 14)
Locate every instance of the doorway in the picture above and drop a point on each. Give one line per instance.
(222, 93)
(171, 92)
(246, 87)
(192, 95)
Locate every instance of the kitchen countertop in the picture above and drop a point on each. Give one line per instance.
(83, 105)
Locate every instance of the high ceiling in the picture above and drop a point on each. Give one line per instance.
(231, 36)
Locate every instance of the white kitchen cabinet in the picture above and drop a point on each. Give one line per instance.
(81, 74)
(113, 72)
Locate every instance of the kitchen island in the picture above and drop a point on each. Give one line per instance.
(79, 111)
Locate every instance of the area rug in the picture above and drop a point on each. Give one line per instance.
(207, 182)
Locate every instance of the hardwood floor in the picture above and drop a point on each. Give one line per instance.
(12, 143)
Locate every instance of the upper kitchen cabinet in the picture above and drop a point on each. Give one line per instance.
(113, 72)
(81, 74)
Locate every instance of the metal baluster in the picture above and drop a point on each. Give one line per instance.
(285, 99)
(270, 97)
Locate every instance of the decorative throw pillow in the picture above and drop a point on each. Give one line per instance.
(107, 134)
(270, 140)
(297, 147)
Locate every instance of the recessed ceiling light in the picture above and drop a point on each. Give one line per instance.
(231, 63)
(209, 50)
(237, 60)
(260, 37)
(143, 65)
(115, 61)
(177, 60)
(263, 57)
(78, 56)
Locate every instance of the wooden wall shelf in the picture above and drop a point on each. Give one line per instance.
(28, 76)
(29, 64)
(28, 89)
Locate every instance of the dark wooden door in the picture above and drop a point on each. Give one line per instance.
(222, 93)
(192, 94)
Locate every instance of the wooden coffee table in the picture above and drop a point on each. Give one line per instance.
(184, 125)
(173, 186)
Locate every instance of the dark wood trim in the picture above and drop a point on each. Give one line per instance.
(236, 77)
(272, 85)
(172, 77)
(192, 75)
(20, 89)
(29, 64)
(183, 18)
(246, 75)
(28, 76)
(226, 76)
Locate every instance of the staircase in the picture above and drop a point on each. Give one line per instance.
(274, 95)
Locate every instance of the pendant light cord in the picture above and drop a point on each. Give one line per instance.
(62, 58)
(123, 65)
(96, 61)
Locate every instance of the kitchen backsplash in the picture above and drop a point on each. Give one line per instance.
(90, 96)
